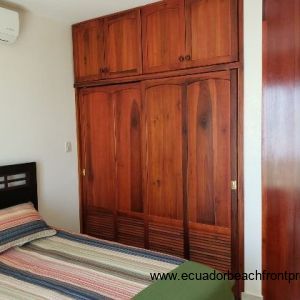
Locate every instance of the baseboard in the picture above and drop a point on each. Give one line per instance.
(247, 296)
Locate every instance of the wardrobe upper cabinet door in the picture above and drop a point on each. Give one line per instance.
(88, 50)
(123, 44)
(211, 31)
(163, 36)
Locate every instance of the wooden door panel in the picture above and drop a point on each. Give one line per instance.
(112, 142)
(164, 126)
(129, 184)
(100, 146)
(163, 36)
(100, 224)
(79, 52)
(163, 107)
(88, 50)
(209, 164)
(150, 160)
(211, 245)
(123, 44)
(167, 238)
(209, 172)
(131, 230)
(211, 31)
(129, 145)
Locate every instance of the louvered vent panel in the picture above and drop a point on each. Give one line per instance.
(166, 239)
(101, 225)
(212, 249)
(131, 231)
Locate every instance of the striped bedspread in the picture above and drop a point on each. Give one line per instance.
(69, 266)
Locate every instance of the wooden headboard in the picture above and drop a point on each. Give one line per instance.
(18, 185)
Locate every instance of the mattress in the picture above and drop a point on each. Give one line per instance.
(71, 266)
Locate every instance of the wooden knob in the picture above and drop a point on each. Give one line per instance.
(181, 58)
(187, 57)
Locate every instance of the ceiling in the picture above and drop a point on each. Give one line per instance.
(73, 11)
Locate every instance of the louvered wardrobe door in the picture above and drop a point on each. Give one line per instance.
(209, 172)
(111, 155)
(164, 199)
(129, 185)
(98, 161)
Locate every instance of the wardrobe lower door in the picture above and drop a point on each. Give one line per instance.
(98, 160)
(164, 188)
(209, 172)
(129, 163)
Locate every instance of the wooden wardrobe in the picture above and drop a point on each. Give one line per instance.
(157, 99)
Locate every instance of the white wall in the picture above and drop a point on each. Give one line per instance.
(37, 114)
(252, 142)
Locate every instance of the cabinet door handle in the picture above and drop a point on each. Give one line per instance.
(188, 57)
(181, 58)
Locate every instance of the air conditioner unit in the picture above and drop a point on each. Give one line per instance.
(9, 26)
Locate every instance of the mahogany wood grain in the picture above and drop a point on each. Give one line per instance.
(100, 148)
(167, 238)
(163, 38)
(88, 43)
(130, 231)
(122, 36)
(129, 184)
(167, 74)
(201, 160)
(164, 139)
(209, 171)
(238, 210)
(98, 160)
(154, 128)
(172, 35)
(164, 189)
(281, 146)
(111, 143)
(209, 134)
(129, 222)
(100, 223)
(80, 116)
(193, 91)
(237, 229)
(211, 248)
(211, 29)
(128, 148)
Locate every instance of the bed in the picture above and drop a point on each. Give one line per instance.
(39, 262)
